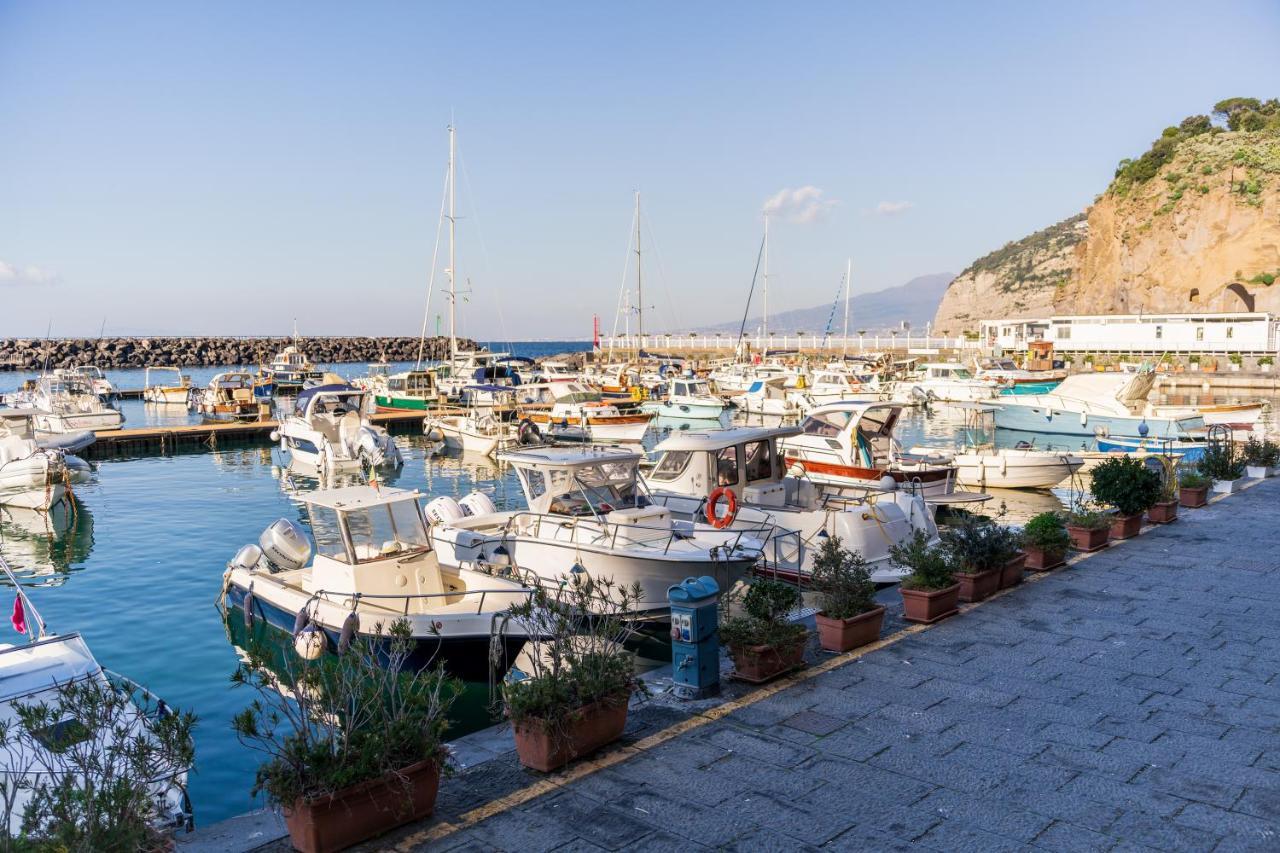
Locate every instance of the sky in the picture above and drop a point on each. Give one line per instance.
(233, 167)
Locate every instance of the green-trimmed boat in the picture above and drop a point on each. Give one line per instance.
(411, 391)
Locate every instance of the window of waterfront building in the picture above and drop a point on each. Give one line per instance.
(1064, 333)
(1159, 332)
(1230, 329)
(1199, 333)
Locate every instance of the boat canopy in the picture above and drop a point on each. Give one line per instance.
(351, 397)
(718, 439)
(576, 481)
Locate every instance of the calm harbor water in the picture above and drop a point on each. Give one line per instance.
(137, 568)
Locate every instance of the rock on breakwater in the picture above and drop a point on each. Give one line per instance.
(36, 353)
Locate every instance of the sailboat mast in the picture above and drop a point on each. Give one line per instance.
(848, 286)
(639, 278)
(765, 330)
(453, 286)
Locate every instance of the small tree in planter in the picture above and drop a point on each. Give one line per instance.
(1045, 540)
(762, 641)
(1193, 488)
(1089, 529)
(1260, 457)
(353, 742)
(930, 592)
(575, 696)
(1165, 510)
(979, 548)
(1131, 487)
(1222, 466)
(849, 616)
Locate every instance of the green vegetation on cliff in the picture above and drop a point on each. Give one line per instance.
(1015, 264)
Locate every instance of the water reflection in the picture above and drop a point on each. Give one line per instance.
(46, 546)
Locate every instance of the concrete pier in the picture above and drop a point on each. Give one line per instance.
(1129, 701)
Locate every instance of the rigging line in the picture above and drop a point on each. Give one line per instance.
(431, 282)
(484, 253)
(832, 316)
(750, 293)
(662, 271)
(626, 270)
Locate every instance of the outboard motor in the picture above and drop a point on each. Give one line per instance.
(477, 503)
(444, 510)
(528, 433)
(285, 545)
(248, 558)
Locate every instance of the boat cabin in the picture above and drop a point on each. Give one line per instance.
(944, 371)
(18, 423)
(165, 377)
(858, 434)
(689, 387)
(745, 460)
(333, 401)
(578, 481)
(367, 540)
(415, 384)
(558, 371)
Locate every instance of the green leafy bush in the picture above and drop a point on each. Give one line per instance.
(1047, 532)
(1190, 478)
(1220, 462)
(1127, 484)
(763, 622)
(1265, 453)
(842, 580)
(930, 568)
(978, 544)
(1088, 519)
(1266, 361)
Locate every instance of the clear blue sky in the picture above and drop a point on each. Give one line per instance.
(224, 167)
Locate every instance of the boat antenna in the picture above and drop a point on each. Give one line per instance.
(742, 330)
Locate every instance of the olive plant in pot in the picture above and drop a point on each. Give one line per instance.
(1165, 510)
(353, 742)
(849, 616)
(1193, 488)
(1089, 529)
(1127, 484)
(763, 642)
(930, 592)
(1045, 541)
(1221, 465)
(979, 549)
(1260, 457)
(574, 697)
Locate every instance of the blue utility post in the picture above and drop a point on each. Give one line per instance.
(695, 643)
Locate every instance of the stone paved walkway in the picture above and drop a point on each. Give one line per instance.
(1130, 702)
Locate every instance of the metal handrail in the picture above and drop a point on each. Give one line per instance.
(571, 523)
(30, 608)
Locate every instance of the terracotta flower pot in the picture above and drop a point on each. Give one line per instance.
(549, 748)
(930, 605)
(1087, 539)
(1011, 574)
(1191, 498)
(759, 664)
(365, 810)
(1126, 526)
(1164, 512)
(841, 635)
(975, 586)
(1040, 560)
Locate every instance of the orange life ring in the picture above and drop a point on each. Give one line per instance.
(719, 522)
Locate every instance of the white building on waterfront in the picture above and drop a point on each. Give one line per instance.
(1144, 334)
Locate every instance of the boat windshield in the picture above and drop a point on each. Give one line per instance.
(375, 532)
(826, 424)
(606, 485)
(331, 404)
(671, 465)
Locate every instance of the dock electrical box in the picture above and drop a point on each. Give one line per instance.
(695, 641)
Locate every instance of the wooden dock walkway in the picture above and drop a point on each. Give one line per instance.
(149, 441)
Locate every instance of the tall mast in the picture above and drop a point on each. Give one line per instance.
(765, 330)
(453, 286)
(848, 286)
(639, 279)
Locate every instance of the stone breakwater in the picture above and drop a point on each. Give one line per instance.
(36, 353)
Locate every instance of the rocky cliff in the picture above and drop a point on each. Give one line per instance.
(34, 354)
(1192, 225)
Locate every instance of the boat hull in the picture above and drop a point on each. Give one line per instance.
(1045, 419)
(1014, 470)
(693, 411)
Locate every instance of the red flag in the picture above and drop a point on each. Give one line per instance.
(19, 616)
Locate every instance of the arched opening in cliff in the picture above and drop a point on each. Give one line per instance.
(1194, 296)
(1246, 298)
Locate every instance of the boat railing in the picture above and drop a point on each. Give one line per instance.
(605, 533)
(353, 599)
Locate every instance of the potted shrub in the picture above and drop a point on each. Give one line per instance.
(1089, 530)
(1222, 466)
(849, 616)
(1193, 488)
(1165, 510)
(762, 641)
(930, 592)
(353, 741)
(1045, 540)
(979, 550)
(1260, 457)
(574, 698)
(1131, 487)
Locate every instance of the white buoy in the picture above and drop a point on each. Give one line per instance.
(310, 643)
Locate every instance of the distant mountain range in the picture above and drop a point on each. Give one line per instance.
(914, 302)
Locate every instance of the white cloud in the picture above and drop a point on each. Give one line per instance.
(892, 208)
(28, 276)
(802, 206)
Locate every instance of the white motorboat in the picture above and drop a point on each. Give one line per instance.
(69, 404)
(853, 444)
(1016, 380)
(409, 390)
(329, 431)
(553, 370)
(576, 407)
(376, 379)
(289, 371)
(477, 430)
(693, 468)
(228, 395)
(770, 397)
(586, 515)
(686, 397)
(737, 378)
(32, 673)
(1214, 414)
(1094, 404)
(1014, 468)
(31, 476)
(371, 564)
(166, 385)
(93, 377)
(947, 382)
(834, 383)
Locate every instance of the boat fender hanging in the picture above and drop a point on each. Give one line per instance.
(310, 644)
(248, 606)
(1143, 429)
(719, 522)
(1084, 419)
(300, 621)
(349, 627)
